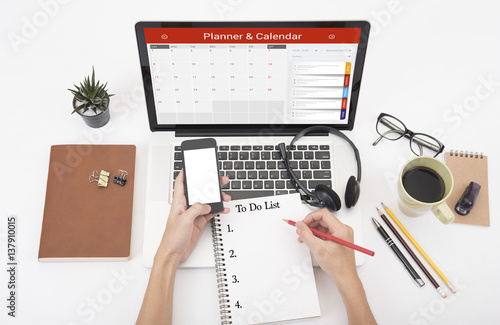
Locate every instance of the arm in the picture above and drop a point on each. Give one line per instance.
(184, 227)
(338, 262)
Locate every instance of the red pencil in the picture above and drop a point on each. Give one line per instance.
(335, 239)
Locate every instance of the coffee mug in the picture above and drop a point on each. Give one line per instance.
(425, 184)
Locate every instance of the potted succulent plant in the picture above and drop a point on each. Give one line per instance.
(91, 101)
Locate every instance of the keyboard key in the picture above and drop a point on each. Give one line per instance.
(324, 147)
(322, 154)
(233, 155)
(246, 147)
(236, 185)
(252, 174)
(284, 175)
(269, 147)
(260, 165)
(246, 185)
(244, 155)
(222, 155)
(308, 155)
(294, 164)
(177, 148)
(263, 174)
(235, 147)
(265, 155)
(314, 164)
(271, 165)
(227, 165)
(302, 147)
(249, 165)
(297, 155)
(307, 174)
(322, 174)
(313, 147)
(177, 165)
(274, 174)
(220, 165)
(238, 165)
(176, 173)
(304, 164)
(241, 174)
(177, 155)
(276, 155)
(231, 174)
(289, 185)
(226, 186)
(281, 192)
(257, 147)
(258, 185)
(325, 164)
(223, 148)
(254, 155)
(279, 184)
(312, 184)
(281, 165)
(268, 185)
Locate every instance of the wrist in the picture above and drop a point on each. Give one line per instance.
(166, 258)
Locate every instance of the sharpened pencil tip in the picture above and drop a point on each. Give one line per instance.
(385, 206)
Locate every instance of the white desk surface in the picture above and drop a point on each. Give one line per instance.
(432, 64)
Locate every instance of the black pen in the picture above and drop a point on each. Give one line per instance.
(411, 271)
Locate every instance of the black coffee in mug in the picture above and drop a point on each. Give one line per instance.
(423, 184)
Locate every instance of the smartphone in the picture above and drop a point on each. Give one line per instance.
(201, 173)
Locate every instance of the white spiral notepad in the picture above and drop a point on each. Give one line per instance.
(264, 275)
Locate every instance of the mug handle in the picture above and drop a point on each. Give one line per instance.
(443, 213)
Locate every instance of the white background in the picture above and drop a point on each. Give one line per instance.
(432, 64)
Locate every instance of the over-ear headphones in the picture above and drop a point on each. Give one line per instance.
(324, 196)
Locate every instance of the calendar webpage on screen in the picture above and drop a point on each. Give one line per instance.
(252, 75)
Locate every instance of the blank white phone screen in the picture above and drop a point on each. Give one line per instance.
(202, 176)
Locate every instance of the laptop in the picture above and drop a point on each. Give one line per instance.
(249, 85)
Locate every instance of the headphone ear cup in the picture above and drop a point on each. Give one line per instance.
(352, 192)
(328, 196)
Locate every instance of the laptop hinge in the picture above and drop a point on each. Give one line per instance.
(240, 132)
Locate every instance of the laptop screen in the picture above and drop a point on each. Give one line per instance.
(227, 74)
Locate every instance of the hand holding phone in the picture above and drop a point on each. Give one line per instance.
(201, 173)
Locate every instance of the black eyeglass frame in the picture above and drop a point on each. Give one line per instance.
(412, 136)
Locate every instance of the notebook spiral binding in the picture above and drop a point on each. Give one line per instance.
(220, 269)
(466, 154)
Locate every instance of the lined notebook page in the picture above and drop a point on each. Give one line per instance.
(269, 275)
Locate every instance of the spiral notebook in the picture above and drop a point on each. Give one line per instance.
(264, 274)
(467, 167)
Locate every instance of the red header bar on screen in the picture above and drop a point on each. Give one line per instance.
(251, 35)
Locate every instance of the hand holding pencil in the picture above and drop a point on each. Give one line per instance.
(337, 260)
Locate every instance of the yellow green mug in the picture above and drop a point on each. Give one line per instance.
(424, 185)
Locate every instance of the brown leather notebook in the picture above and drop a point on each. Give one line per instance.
(82, 221)
(467, 167)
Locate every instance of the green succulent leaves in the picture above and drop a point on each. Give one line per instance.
(91, 95)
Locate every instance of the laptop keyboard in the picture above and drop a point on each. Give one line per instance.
(257, 170)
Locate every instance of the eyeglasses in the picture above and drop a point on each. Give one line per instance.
(391, 128)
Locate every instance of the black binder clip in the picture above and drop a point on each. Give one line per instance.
(120, 178)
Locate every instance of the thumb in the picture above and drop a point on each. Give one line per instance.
(196, 210)
(305, 234)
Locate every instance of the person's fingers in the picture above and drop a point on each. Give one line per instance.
(224, 180)
(306, 234)
(226, 197)
(179, 189)
(322, 218)
(196, 210)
